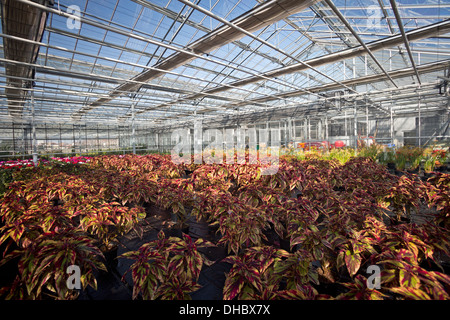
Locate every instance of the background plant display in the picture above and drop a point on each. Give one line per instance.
(310, 231)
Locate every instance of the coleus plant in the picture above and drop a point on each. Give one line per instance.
(214, 175)
(438, 195)
(252, 274)
(240, 224)
(267, 273)
(44, 263)
(27, 213)
(405, 195)
(29, 209)
(109, 221)
(38, 219)
(358, 290)
(298, 270)
(354, 250)
(137, 164)
(402, 275)
(175, 194)
(334, 204)
(166, 268)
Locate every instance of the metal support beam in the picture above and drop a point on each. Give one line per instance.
(361, 42)
(345, 123)
(404, 36)
(249, 34)
(24, 21)
(417, 34)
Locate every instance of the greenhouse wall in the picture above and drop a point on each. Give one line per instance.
(18, 139)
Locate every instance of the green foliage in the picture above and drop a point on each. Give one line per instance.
(6, 176)
(342, 155)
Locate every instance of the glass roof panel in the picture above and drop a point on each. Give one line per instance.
(146, 51)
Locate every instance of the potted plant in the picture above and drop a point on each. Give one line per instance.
(252, 275)
(43, 266)
(400, 161)
(358, 290)
(166, 268)
(266, 273)
(201, 222)
(108, 222)
(403, 277)
(438, 196)
(240, 224)
(403, 196)
(175, 195)
(415, 164)
(389, 158)
(429, 164)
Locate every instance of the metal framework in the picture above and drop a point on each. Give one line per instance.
(90, 75)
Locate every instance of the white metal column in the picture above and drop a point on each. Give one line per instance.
(33, 130)
(392, 125)
(420, 124)
(355, 128)
(133, 129)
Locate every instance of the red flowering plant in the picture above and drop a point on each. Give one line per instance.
(439, 155)
(19, 164)
(72, 160)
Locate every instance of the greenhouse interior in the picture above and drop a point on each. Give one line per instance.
(140, 133)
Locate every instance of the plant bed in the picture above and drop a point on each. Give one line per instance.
(350, 215)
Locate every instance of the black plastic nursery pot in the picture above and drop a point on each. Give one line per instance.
(111, 257)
